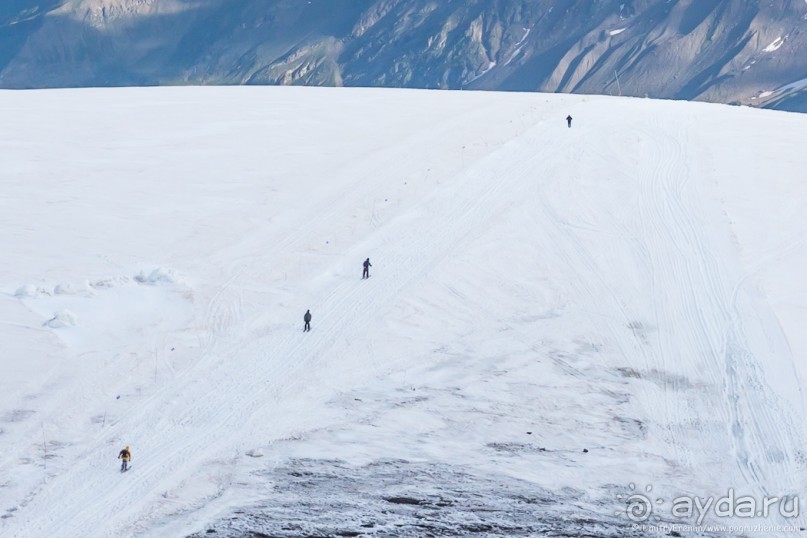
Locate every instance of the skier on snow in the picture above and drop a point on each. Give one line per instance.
(307, 319)
(125, 456)
(367, 265)
(569, 120)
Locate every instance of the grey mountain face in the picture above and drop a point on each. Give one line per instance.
(733, 51)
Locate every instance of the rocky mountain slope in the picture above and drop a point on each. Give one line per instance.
(749, 52)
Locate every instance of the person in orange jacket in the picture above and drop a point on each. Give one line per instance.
(125, 456)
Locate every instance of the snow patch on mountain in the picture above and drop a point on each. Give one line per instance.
(774, 45)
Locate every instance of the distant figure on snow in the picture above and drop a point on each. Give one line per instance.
(125, 456)
(307, 319)
(367, 265)
(569, 121)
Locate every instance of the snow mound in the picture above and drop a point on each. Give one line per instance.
(65, 288)
(62, 319)
(29, 291)
(158, 276)
(255, 453)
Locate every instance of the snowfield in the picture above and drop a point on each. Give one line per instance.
(556, 318)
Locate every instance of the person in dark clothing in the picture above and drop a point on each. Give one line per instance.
(307, 319)
(125, 456)
(569, 120)
(367, 265)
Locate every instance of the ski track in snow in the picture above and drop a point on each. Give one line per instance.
(219, 394)
(685, 311)
(760, 434)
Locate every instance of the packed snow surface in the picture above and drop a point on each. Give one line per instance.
(556, 318)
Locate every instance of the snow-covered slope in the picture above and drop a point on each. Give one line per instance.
(553, 314)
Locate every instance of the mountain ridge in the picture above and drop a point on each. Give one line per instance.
(713, 50)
